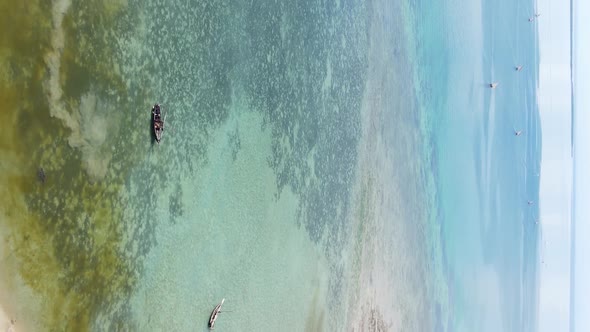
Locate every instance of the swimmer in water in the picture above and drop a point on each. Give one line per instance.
(493, 85)
(518, 68)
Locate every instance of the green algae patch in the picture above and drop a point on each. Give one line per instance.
(89, 58)
(64, 234)
(24, 27)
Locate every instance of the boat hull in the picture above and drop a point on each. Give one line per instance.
(157, 123)
(214, 315)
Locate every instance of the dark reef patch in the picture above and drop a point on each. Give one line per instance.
(314, 61)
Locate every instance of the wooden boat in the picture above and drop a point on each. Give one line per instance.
(157, 122)
(214, 314)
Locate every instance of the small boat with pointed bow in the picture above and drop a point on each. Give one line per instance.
(214, 315)
(157, 123)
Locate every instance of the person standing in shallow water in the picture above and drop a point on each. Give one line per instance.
(41, 175)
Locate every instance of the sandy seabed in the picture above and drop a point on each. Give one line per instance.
(6, 323)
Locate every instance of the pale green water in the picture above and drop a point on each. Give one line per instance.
(235, 241)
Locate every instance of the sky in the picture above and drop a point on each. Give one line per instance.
(555, 196)
(580, 318)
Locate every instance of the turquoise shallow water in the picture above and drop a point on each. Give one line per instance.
(326, 166)
(485, 174)
(303, 90)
